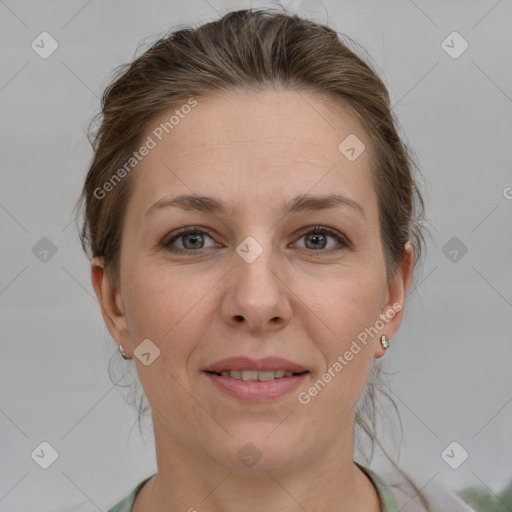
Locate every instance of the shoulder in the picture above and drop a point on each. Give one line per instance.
(438, 496)
(405, 499)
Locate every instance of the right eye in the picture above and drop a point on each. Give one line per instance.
(190, 238)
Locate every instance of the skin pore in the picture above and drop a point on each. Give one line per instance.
(303, 298)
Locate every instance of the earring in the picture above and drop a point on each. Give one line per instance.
(384, 342)
(123, 353)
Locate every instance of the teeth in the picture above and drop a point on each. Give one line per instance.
(253, 375)
(263, 376)
(249, 375)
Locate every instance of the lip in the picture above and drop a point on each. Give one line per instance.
(260, 365)
(256, 391)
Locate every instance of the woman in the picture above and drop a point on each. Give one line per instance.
(252, 221)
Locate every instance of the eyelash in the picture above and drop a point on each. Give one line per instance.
(343, 241)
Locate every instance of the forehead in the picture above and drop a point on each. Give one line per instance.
(268, 143)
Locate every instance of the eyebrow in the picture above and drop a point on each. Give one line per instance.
(302, 203)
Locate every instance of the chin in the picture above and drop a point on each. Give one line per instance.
(258, 453)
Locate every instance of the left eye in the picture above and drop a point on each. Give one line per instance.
(192, 240)
(316, 238)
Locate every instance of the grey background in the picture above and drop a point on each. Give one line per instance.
(453, 353)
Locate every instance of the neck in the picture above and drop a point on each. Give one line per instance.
(185, 482)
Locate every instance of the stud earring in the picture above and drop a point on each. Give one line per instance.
(123, 353)
(384, 342)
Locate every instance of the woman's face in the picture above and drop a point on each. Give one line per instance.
(255, 280)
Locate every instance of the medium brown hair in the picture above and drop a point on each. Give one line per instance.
(252, 50)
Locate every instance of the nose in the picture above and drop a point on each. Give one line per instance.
(257, 295)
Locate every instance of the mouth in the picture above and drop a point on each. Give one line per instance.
(254, 375)
(256, 380)
(267, 364)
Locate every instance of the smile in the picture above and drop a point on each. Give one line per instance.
(256, 386)
(253, 375)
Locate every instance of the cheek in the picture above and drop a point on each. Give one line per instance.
(167, 306)
(156, 300)
(344, 314)
(348, 303)
(159, 309)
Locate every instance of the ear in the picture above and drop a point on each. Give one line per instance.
(392, 312)
(111, 304)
